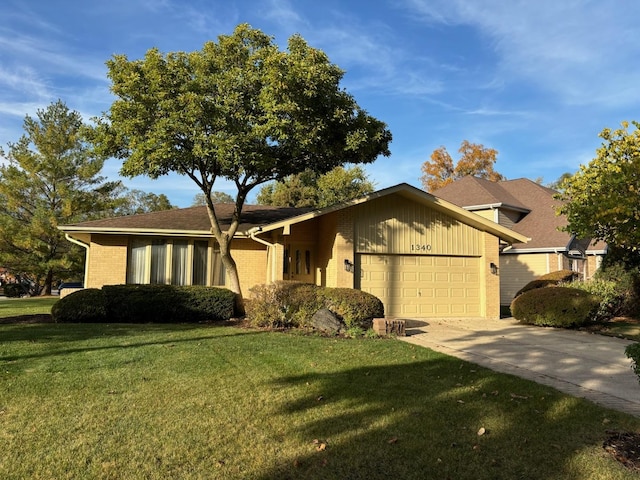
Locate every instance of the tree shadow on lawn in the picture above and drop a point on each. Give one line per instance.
(58, 337)
(423, 419)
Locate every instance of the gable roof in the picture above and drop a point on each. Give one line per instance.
(536, 202)
(260, 218)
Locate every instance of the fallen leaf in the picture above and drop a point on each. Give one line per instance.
(392, 440)
(482, 431)
(321, 447)
(460, 401)
(320, 398)
(522, 397)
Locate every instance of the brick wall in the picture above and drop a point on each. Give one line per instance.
(107, 261)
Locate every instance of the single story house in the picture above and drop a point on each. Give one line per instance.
(528, 208)
(421, 255)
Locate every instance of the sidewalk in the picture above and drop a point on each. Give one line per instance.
(578, 363)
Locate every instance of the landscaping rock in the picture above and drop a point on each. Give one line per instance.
(326, 321)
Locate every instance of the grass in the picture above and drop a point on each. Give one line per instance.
(26, 306)
(193, 402)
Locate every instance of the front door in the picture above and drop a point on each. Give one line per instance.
(299, 264)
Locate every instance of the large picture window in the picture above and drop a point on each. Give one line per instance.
(174, 261)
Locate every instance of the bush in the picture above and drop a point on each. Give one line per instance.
(292, 304)
(283, 304)
(355, 307)
(555, 307)
(633, 352)
(167, 303)
(83, 306)
(15, 290)
(612, 298)
(616, 267)
(550, 279)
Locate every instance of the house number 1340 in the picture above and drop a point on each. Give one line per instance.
(420, 247)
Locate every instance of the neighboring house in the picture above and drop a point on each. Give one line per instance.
(529, 209)
(422, 256)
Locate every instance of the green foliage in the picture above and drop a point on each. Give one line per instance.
(633, 352)
(51, 178)
(84, 306)
(355, 307)
(216, 197)
(612, 297)
(623, 267)
(134, 202)
(273, 113)
(550, 279)
(311, 189)
(167, 303)
(15, 290)
(555, 307)
(283, 304)
(292, 304)
(601, 199)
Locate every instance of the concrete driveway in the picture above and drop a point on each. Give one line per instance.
(578, 363)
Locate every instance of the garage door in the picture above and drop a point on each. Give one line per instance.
(422, 286)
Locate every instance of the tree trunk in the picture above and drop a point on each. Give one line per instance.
(233, 280)
(48, 282)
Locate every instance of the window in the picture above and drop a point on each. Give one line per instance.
(159, 261)
(179, 263)
(200, 256)
(173, 261)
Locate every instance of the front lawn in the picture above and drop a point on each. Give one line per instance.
(13, 307)
(187, 401)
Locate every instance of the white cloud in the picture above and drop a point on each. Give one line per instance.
(569, 47)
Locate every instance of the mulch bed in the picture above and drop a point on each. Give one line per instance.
(38, 318)
(625, 447)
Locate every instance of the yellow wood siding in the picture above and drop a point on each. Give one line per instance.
(489, 214)
(397, 226)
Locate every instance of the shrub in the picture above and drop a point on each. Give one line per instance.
(167, 303)
(633, 352)
(83, 306)
(612, 298)
(15, 290)
(283, 304)
(627, 278)
(555, 307)
(292, 304)
(355, 307)
(550, 279)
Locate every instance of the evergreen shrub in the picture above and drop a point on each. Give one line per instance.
(84, 306)
(555, 307)
(550, 279)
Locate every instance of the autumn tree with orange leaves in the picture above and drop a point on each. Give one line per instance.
(475, 159)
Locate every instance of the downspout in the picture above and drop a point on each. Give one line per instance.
(252, 235)
(86, 256)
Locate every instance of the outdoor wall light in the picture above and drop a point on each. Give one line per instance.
(494, 268)
(348, 265)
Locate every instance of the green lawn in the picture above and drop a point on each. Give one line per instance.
(200, 402)
(12, 307)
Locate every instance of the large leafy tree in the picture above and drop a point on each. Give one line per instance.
(50, 177)
(216, 197)
(133, 202)
(602, 200)
(239, 109)
(475, 159)
(310, 189)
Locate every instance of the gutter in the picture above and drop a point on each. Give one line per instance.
(86, 256)
(252, 235)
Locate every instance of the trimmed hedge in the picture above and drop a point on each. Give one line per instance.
(146, 304)
(84, 306)
(14, 290)
(555, 307)
(355, 307)
(549, 280)
(292, 304)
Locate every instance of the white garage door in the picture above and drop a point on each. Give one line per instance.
(422, 286)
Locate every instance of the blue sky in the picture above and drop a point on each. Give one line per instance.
(535, 80)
